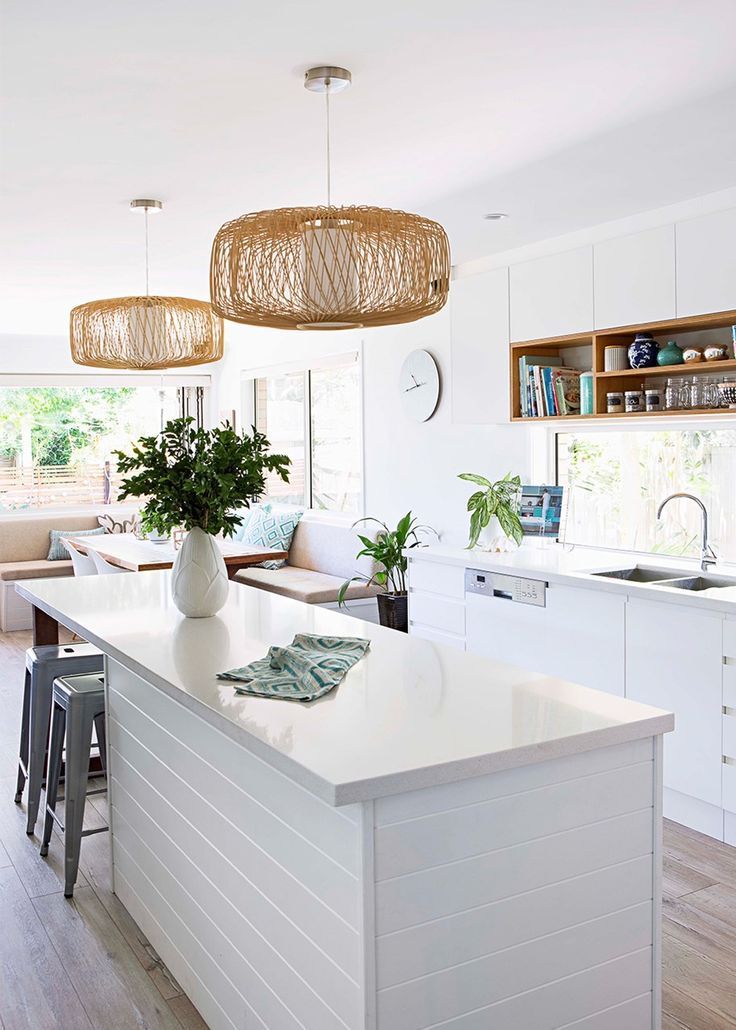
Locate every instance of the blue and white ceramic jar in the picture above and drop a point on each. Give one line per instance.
(643, 351)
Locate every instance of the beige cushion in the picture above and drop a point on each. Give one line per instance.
(329, 547)
(26, 538)
(34, 569)
(302, 584)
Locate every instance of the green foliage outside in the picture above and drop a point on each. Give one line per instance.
(197, 477)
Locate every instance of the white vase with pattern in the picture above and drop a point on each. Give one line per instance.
(199, 583)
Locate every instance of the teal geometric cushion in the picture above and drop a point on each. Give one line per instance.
(272, 529)
(58, 550)
(246, 517)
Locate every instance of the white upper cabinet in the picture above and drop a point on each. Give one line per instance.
(479, 355)
(635, 278)
(706, 264)
(552, 296)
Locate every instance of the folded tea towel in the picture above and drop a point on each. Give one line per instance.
(308, 668)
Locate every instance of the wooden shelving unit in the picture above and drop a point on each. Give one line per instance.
(626, 379)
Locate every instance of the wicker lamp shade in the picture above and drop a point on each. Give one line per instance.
(329, 268)
(145, 333)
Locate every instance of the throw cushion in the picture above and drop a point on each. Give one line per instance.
(274, 529)
(58, 550)
(246, 517)
(120, 525)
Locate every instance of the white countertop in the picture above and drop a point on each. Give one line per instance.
(410, 714)
(557, 563)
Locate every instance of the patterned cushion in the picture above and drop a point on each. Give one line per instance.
(246, 517)
(120, 525)
(273, 529)
(58, 550)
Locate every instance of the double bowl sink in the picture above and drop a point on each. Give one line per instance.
(669, 578)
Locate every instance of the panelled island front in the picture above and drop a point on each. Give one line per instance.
(443, 841)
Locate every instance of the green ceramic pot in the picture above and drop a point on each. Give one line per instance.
(670, 354)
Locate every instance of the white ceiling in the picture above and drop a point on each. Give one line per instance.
(562, 112)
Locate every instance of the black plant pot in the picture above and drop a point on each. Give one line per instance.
(393, 611)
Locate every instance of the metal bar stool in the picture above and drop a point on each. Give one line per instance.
(43, 665)
(78, 705)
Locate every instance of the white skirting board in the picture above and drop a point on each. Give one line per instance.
(519, 899)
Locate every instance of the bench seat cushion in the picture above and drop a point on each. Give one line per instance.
(38, 569)
(302, 584)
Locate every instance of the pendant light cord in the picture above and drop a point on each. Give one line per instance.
(145, 216)
(327, 109)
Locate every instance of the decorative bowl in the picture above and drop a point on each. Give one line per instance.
(691, 355)
(716, 352)
(727, 395)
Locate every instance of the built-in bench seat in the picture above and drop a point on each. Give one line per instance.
(321, 558)
(37, 569)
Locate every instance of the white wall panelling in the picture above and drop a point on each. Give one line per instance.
(635, 278)
(552, 296)
(479, 368)
(706, 263)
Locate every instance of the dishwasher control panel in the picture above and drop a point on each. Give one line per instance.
(509, 588)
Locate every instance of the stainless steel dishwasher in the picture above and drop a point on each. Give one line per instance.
(505, 616)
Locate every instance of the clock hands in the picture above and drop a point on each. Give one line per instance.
(416, 385)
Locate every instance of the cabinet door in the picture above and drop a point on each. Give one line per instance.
(552, 296)
(479, 312)
(674, 661)
(635, 278)
(706, 264)
(579, 636)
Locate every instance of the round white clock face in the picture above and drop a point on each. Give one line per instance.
(419, 385)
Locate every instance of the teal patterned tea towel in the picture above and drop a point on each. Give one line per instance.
(304, 670)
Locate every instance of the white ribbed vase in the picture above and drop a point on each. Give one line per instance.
(199, 583)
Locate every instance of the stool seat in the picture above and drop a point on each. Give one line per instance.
(78, 707)
(43, 664)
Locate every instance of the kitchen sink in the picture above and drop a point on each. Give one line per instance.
(639, 574)
(699, 583)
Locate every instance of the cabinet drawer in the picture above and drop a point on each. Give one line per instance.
(437, 612)
(729, 638)
(729, 683)
(729, 736)
(448, 580)
(438, 637)
(729, 786)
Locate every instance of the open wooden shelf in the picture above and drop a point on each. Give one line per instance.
(605, 382)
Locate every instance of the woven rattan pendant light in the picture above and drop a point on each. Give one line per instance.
(145, 332)
(329, 267)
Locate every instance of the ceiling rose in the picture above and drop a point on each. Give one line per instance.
(327, 267)
(145, 332)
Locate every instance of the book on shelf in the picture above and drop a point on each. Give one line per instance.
(529, 390)
(546, 388)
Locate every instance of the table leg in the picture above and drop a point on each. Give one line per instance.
(45, 628)
(232, 569)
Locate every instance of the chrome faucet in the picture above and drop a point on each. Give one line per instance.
(707, 556)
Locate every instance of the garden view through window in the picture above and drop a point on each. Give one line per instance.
(314, 417)
(57, 443)
(615, 481)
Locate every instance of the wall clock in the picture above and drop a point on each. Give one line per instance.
(419, 385)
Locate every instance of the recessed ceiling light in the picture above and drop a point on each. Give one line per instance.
(495, 216)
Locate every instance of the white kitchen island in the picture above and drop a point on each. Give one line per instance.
(443, 841)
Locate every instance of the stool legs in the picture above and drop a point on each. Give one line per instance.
(40, 716)
(24, 739)
(78, 739)
(56, 748)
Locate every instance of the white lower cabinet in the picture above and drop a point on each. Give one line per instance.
(578, 636)
(674, 660)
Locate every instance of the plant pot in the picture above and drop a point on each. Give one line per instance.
(493, 538)
(393, 611)
(199, 583)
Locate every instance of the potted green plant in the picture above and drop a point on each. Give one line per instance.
(387, 552)
(493, 508)
(196, 479)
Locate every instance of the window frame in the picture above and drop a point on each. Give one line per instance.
(343, 358)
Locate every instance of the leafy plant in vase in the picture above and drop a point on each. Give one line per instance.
(387, 553)
(493, 511)
(196, 479)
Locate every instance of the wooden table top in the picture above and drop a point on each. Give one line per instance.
(128, 552)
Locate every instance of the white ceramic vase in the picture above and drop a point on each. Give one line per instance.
(493, 538)
(199, 583)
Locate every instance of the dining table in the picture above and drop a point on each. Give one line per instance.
(127, 551)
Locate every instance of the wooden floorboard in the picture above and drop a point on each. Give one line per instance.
(73, 965)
